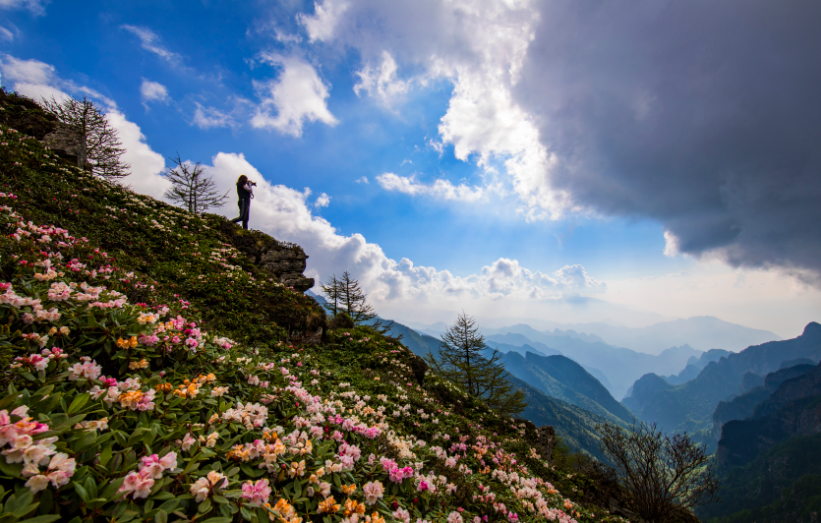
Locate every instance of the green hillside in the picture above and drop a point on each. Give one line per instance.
(575, 425)
(564, 379)
(155, 371)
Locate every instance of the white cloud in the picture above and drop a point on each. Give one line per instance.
(210, 117)
(146, 164)
(153, 92)
(363, 179)
(286, 214)
(38, 80)
(671, 244)
(322, 24)
(150, 42)
(297, 96)
(382, 82)
(322, 201)
(35, 6)
(478, 46)
(440, 189)
(5, 34)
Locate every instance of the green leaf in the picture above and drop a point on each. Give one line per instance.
(217, 520)
(105, 455)
(81, 491)
(297, 489)
(42, 519)
(161, 516)
(205, 506)
(78, 403)
(11, 469)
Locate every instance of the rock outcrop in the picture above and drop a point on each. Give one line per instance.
(547, 442)
(286, 260)
(66, 142)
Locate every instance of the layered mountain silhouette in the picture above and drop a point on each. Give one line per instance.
(564, 379)
(689, 406)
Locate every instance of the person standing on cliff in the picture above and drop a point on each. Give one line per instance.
(245, 191)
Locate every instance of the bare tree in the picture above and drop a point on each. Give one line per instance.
(331, 291)
(190, 188)
(100, 150)
(664, 474)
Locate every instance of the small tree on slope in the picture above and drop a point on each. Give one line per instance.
(100, 148)
(664, 474)
(191, 189)
(462, 359)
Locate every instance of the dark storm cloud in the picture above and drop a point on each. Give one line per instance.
(705, 115)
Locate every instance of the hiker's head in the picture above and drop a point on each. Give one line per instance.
(242, 179)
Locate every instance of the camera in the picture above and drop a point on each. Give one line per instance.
(252, 184)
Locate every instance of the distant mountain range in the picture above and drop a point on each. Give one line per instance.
(690, 406)
(700, 332)
(564, 379)
(619, 366)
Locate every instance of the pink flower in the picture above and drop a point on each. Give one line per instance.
(137, 485)
(256, 493)
(373, 491)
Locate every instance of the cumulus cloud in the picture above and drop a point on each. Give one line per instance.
(146, 164)
(153, 92)
(439, 190)
(711, 131)
(322, 24)
(210, 117)
(286, 214)
(323, 200)
(477, 46)
(39, 80)
(382, 81)
(363, 179)
(297, 96)
(150, 41)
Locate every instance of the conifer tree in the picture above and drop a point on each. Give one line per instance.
(100, 150)
(345, 294)
(191, 189)
(462, 359)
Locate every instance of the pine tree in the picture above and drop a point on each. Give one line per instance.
(462, 359)
(100, 150)
(345, 295)
(191, 189)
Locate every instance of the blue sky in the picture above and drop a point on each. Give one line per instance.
(457, 115)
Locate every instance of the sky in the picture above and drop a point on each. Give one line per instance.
(564, 160)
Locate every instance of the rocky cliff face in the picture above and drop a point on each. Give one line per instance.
(286, 260)
(744, 406)
(794, 409)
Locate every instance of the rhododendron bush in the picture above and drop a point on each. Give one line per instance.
(122, 403)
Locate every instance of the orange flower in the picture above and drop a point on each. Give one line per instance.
(348, 489)
(329, 505)
(127, 344)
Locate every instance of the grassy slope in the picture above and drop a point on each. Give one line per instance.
(566, 380)
(170, 263)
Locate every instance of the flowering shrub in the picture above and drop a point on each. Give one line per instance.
(124, 402)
